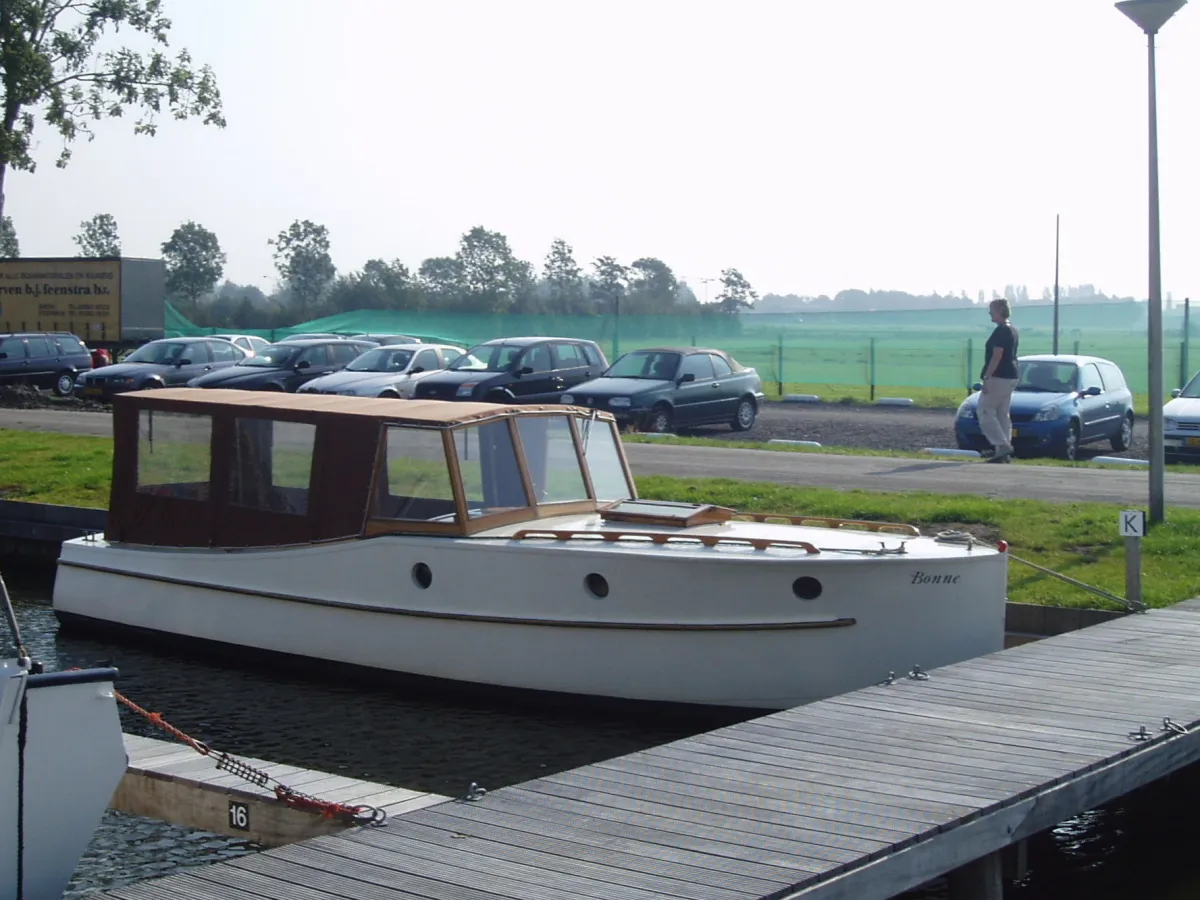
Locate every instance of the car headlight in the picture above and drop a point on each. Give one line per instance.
(966, 411)
(620, 403)
(465, 390)
(567, 398)
(1048, 414)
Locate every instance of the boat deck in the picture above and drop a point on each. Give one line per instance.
(861, 796)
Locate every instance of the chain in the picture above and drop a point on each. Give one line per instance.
(350, 815)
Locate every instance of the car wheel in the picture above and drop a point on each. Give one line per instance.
(499, 397)
(1123, 439)
(152, 384)
(746, 414)
(659, 420)
(1070, 444)
(64, 383)
(389, 395)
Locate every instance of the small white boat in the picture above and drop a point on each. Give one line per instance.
(62, 756)
(502, 546)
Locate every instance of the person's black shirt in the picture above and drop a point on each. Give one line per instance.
(1005, 337)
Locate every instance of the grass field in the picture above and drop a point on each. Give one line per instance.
(1077, 539)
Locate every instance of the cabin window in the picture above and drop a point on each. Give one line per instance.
(415, 481)
(488, 461)
(550, 455)
(272, 465)
(174, 454)
(603, 458)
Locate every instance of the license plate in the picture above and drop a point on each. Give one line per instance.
(1015, 432)
(1193, 442)
(91, 392)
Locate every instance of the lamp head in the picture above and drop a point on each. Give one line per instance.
(1150, 15)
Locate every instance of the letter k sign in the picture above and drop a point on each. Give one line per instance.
(1132, 523)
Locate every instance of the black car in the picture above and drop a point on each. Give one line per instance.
(169, 362)
(44, 359)
(516, 370)
(666, 388)
(286, 365)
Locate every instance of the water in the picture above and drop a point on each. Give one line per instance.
(1139, 846)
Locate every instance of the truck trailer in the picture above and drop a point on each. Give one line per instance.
(113, 302)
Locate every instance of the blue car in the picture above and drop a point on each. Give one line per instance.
(1060, 403)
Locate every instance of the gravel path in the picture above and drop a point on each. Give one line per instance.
(830, 424)
(876, 428)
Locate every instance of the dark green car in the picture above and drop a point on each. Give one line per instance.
(663, 389)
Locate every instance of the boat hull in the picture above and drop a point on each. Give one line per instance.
(680, 625)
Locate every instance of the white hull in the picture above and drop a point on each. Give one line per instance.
(681, 624)
(62, 756)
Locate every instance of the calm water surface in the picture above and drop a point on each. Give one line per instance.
(1139, 848)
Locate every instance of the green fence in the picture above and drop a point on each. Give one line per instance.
(890, 349)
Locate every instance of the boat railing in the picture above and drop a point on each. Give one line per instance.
(828, 522)
(706, 540)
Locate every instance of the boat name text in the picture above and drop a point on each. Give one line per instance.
(920, 577)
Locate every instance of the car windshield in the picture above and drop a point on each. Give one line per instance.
(1192, 388)
(275, 356)
(487, 358)
(159, 354)
(1043, 376)
(645, 364)
(383, 359)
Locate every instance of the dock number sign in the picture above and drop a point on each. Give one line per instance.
(239, 816)
(1133, 523)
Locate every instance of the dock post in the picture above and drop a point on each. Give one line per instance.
(978, 880)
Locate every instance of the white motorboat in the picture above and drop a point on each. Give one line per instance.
(62, 756)
(499, 545)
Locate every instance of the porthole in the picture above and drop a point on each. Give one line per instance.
(422, 575)
(597, 585)
(806, 588)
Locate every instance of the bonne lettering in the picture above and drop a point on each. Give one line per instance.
(920, 577)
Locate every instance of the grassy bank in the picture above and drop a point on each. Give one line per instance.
(1077, 539)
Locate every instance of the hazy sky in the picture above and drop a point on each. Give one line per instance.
(815, 146)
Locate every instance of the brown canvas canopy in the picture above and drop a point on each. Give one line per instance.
(228, 468)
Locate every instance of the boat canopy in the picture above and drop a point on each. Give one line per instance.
(228, 468)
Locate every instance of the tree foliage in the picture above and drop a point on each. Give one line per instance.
(98, 235)
(490, 275)
(736, 293)
(609, 282)
(53, 67)
(653, 287)
(380, 285)
(564, 278)
(195, 261)
(303, 261)
(10, 247)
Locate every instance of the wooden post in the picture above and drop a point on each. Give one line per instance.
(1133, 569)
(979, 880)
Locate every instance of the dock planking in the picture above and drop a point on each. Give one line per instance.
(173, 782)
(861, 796)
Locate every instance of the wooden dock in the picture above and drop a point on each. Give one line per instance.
(861, 796)
(171, 781)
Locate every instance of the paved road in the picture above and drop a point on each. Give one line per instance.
(1126, 487)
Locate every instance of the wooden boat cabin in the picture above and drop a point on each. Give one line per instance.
(230, 468)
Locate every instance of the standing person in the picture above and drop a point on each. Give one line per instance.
(999, 377)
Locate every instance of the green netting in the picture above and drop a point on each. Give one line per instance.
(901, 348)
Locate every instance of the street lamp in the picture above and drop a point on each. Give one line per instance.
(1150, 16)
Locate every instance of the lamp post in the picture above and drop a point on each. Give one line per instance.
(1150, 16)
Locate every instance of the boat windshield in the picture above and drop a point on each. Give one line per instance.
(487, 358)
(383, 359)
(276, 356)
(653, 364)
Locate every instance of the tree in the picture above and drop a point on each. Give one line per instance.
(736, 293)
(303, 261)
(98, 236)
(51, 66)
(492, 276)
(652, 286)
(440, 278)
(10, 247)
(195, 262)
(380, 285)
(564, 278)
(609, 282)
